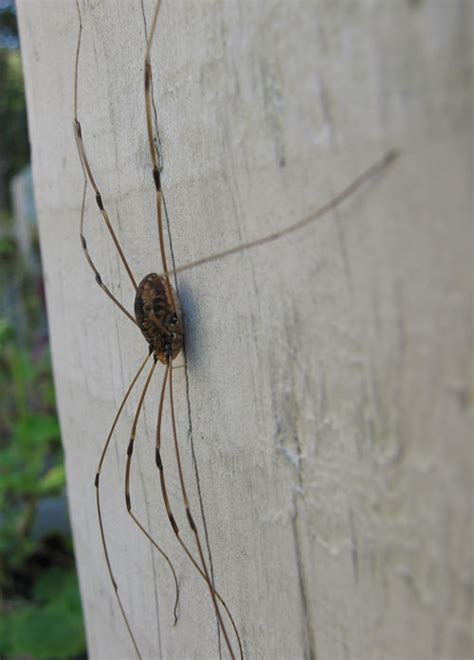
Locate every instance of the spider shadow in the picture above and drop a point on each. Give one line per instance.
(190, 314)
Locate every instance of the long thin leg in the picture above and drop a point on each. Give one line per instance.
(168, 508)
(85, 249)
(88, 172)
(128, 500)
(127, 484)
(204, 571)
(341, 197)
(99, 513)
(99, 510)
(190, 518)
(153, 154)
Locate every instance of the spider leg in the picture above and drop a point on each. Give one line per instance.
(128, 499)
(88, 176)
(204, 570)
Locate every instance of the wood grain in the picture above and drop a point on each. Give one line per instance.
(324, 413)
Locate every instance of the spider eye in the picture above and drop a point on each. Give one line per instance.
(173, 320)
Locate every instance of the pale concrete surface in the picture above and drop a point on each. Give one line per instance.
(329, 390)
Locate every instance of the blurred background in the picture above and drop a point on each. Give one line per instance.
(40, 609)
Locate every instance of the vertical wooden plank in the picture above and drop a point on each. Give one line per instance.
(327, 395)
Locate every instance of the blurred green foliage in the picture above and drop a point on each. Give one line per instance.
(14, 150)
(14, 146)
(30, 433)
(40, 608)
(52, 628)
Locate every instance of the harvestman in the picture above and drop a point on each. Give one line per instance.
(158, 316)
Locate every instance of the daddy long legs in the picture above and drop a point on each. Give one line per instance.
(157, 315)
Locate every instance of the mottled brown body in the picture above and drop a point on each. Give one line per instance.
(158, 316)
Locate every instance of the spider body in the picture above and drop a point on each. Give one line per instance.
(159, 317)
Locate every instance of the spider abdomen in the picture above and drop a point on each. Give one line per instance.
(158, 316)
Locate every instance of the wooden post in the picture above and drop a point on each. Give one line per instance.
(324, 412)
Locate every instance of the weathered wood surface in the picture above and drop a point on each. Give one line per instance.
(328, 387)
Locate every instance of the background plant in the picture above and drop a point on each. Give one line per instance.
(40, 608)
